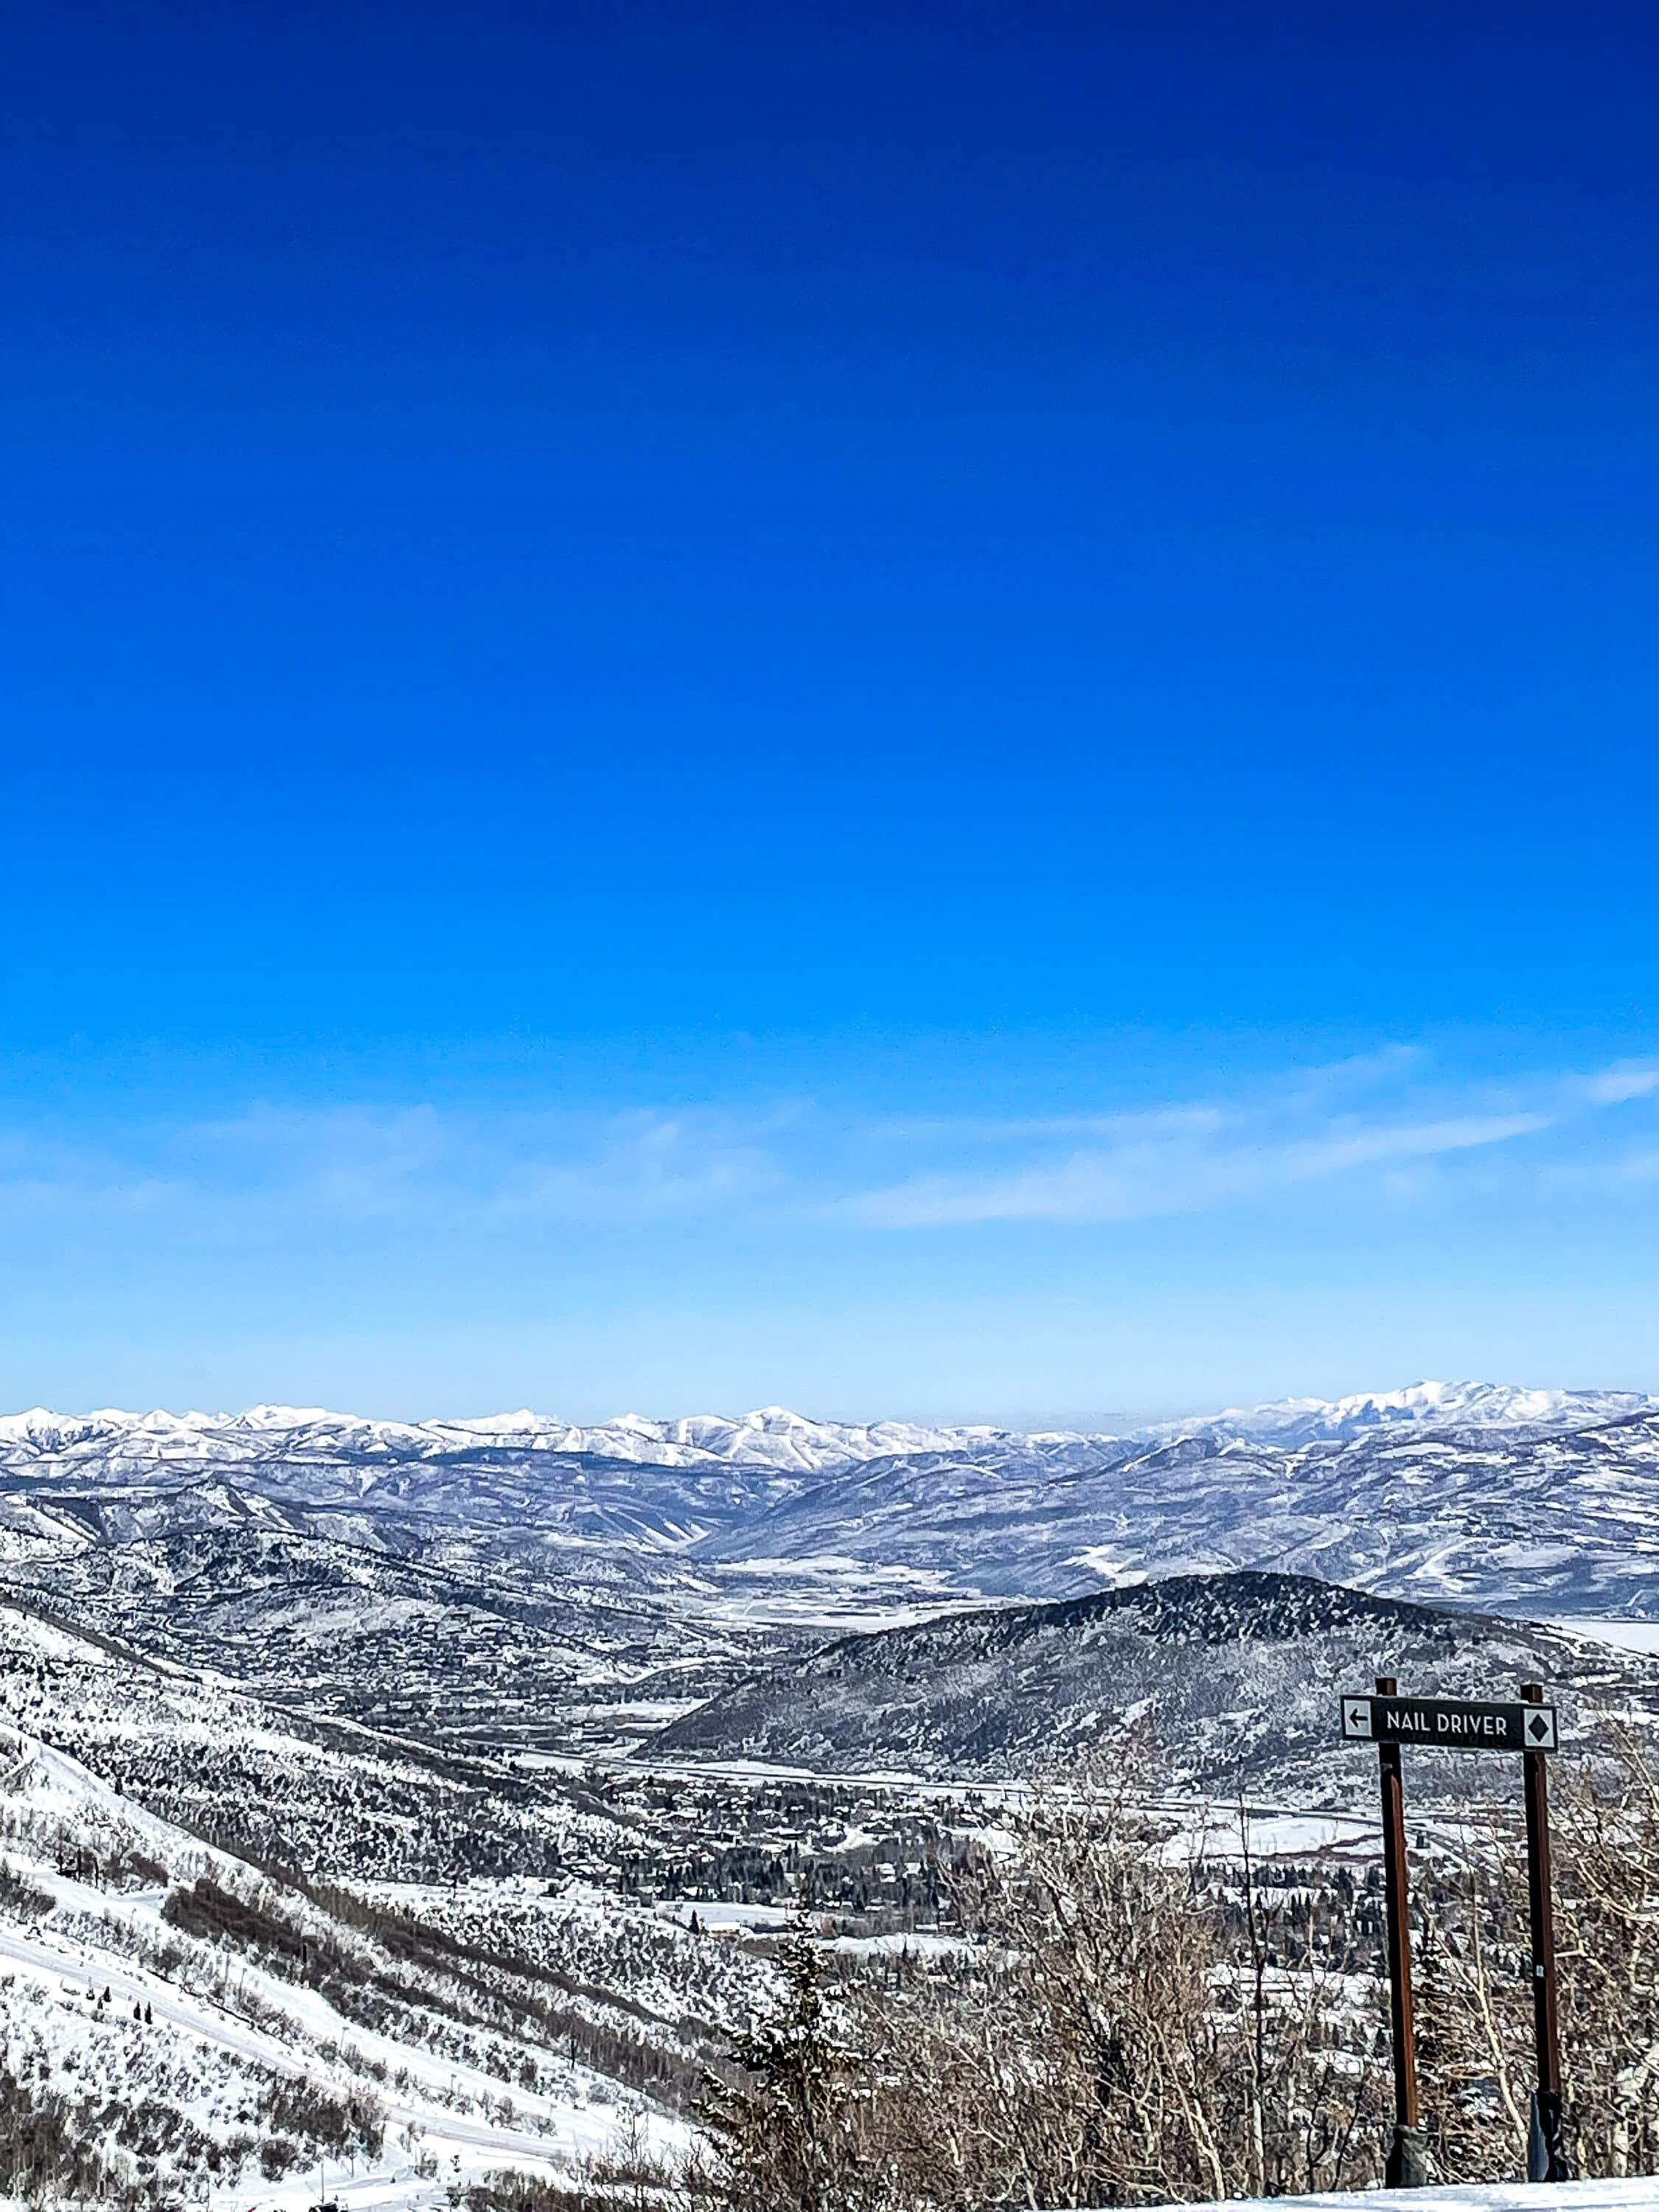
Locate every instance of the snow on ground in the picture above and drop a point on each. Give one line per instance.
(715, 1914)
(835, 1594)
(95, 1981)
(1638, 2191)
(394, 2189)
(1269, 1833)
(917, 1944)
(1623, 1635)
(585, 2125)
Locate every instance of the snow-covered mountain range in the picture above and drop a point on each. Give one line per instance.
(160, 1442)
(489, 1579)
(770, 1437)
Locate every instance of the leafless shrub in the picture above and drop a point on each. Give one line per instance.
(1475, 1968)
(1130, 2026)
(628, 2179)
(21, 1899)
(1118, 2031)
(317, 2117)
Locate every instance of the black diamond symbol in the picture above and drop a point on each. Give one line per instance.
(1538, 1727)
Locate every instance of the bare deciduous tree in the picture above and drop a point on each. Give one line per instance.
(1115, 2031)
(1124, 2023)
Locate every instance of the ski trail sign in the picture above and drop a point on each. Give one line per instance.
(1449, 1724)
(1391, 1722)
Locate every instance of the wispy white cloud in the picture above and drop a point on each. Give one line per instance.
(1378, 1124)
(646, 1167)
(1615, 1086)
(1315, 1128)
(360, 1166)
(1186, 1170)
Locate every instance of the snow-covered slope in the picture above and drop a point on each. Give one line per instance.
(200, 2050)
(234, 1938)
(310, 1793)
(234, 1942)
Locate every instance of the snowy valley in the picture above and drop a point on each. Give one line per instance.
(429, 1799)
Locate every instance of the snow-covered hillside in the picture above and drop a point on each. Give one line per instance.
(234, 1942)
(1240, 1673)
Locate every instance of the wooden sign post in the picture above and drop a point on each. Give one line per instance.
(1387, 1720)
(1407, 2164)
(1545, 2160)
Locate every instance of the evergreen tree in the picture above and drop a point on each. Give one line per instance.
(787, 2133)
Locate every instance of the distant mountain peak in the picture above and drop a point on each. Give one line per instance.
(1420, 1405)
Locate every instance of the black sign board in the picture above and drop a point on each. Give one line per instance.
(1448, 1723)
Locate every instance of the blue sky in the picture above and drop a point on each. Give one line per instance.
(940, 711)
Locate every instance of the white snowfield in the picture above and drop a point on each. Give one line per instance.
(1499, 2197)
